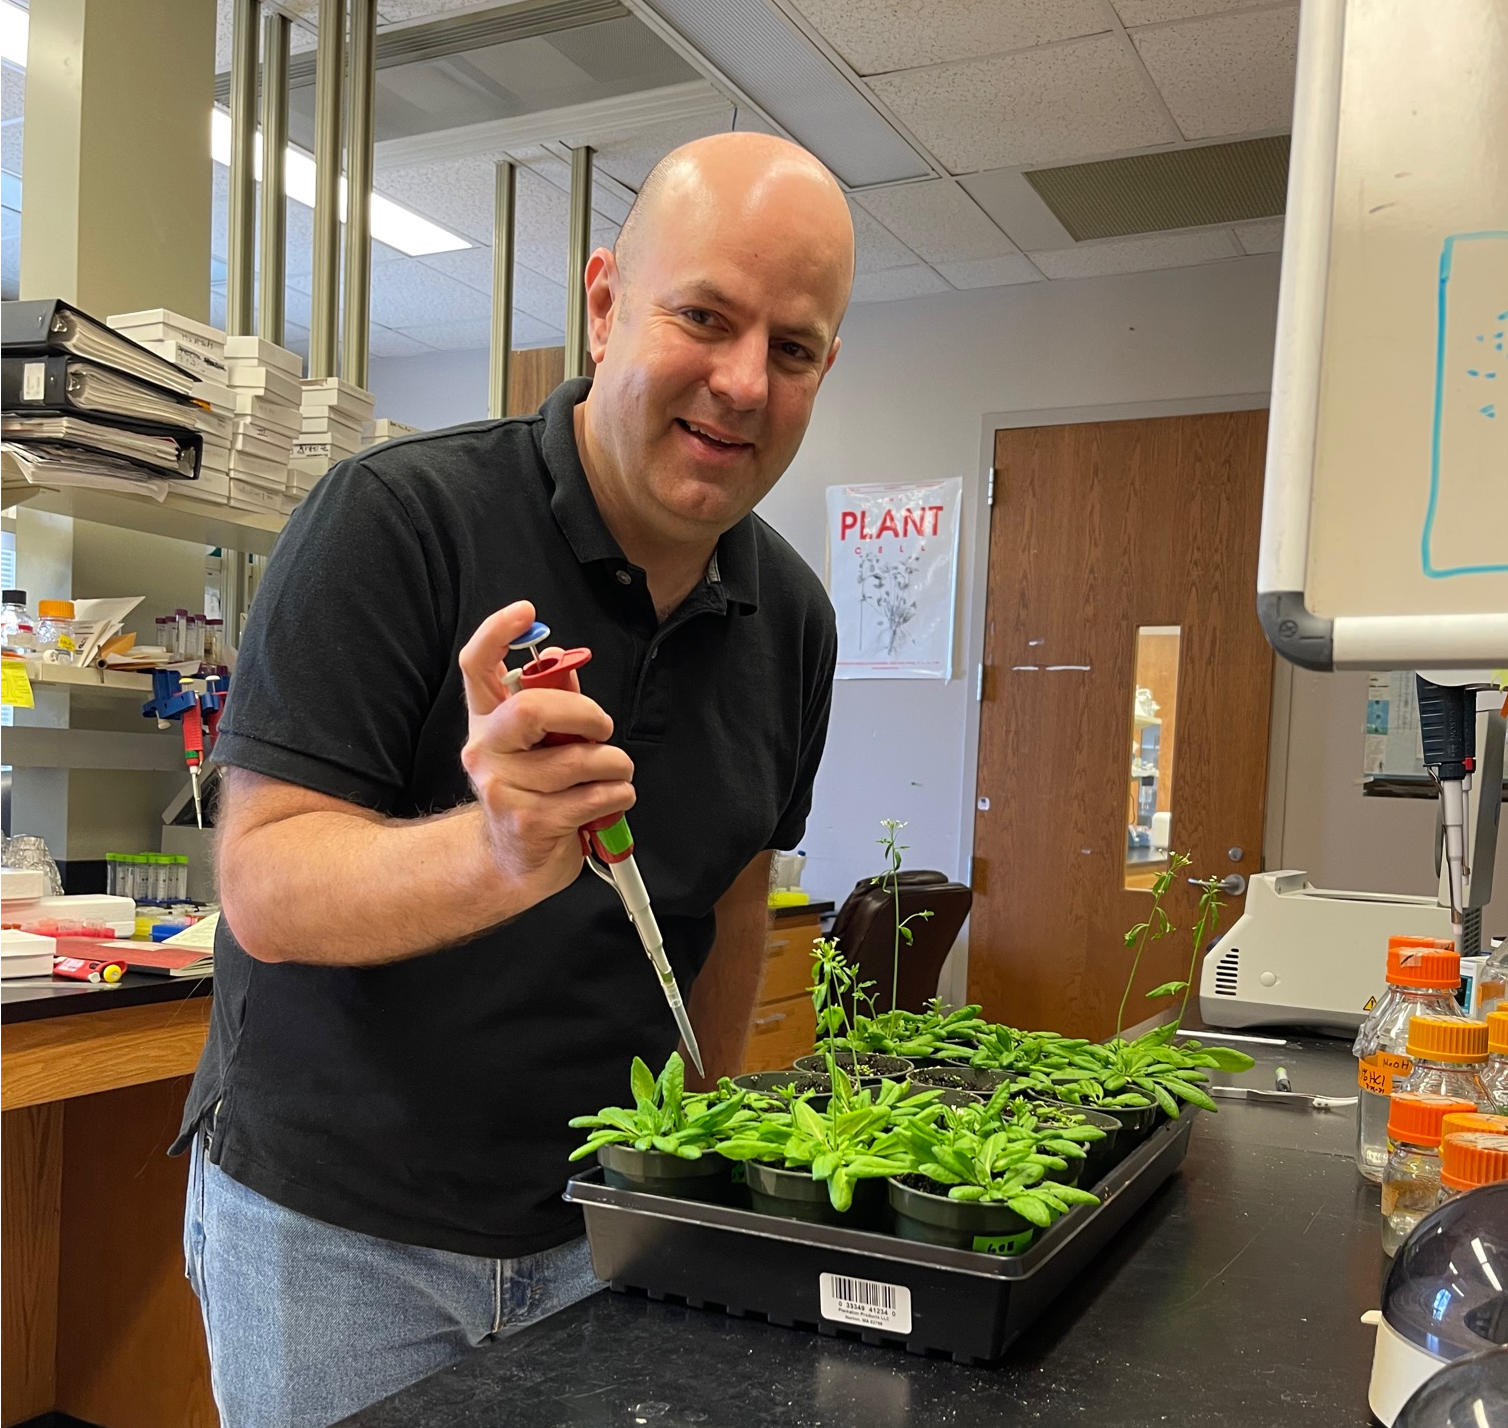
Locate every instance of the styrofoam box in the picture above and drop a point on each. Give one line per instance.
(194, 360)
(268, 410)
(26, 883)
(83, 907)
(268, 448)
(243, 376)
(217, 394)
(211, 486)
(25, 954)
(331, 391)
(266, 354)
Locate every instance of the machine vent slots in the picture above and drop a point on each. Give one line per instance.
(1182, 188)
(1228, 973)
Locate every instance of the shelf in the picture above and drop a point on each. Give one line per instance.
(108, 681)
(180, 517)
(27, 746)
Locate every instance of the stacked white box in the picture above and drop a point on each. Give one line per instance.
(264, 383)
(386, 429)
(332, 418)
(200, 351)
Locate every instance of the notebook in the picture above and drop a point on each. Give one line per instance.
(160, 454)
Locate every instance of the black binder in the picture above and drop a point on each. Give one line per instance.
(52, 325)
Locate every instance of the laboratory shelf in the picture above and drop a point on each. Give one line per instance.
(130, 683)
(180, 517)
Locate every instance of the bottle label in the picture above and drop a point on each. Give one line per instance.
(1376, 1072)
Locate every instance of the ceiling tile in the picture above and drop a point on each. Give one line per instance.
(1067, 101)
(1018, 209)
(407, 293)
(1229, 75)
(876, 38)
(13, 93)
(991, 272)
(1264, 237)
(12, 141)
(1152, 12)
(915, 281)
(875, 246)
(629, 157)
(530, 332)
(938, 220)
(385, 342)
(1137, 255)
(453, 336)
(533, 294)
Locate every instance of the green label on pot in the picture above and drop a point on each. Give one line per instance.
(740, 1173)
(1002, 1244)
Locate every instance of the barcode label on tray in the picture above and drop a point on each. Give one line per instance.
(869, 1303)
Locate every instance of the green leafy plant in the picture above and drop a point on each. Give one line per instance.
(1002, 1165)
(1209, 916)
(1155, 927)
(664, 1116)
(946, 1035)
(1150, 1067)
(856, 1138)
(835, 987)
(890, 880)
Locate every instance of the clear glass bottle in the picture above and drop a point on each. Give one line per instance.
(1449, 1055)
(1470, 1159)
(180, 633)
(196, 637)
(18, 626)
(1492, 982)
(1422, 976)
(56, 629)
(1495, 1073)
(214, 641)
(1411, 1176)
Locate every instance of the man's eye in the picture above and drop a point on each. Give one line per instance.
(795, 351)
(698, 315)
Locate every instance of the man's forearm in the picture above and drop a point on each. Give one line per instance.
(723, 996)
(346, 889)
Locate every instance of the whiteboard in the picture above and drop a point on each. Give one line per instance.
(1385, 512)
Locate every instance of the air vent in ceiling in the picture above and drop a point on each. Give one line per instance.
(1182, 188)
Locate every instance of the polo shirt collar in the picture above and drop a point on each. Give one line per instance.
(735, 563)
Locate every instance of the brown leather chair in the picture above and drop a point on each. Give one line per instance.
(865, 930)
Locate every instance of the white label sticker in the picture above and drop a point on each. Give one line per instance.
(868, 1303)
(33, 381)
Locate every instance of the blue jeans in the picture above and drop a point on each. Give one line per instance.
(308, 1322)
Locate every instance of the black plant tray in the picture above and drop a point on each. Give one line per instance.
(967, 1305)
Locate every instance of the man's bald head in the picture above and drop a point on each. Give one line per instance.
(759, 172)
(712, 324)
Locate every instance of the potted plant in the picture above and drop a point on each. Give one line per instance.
(835, 985)
(978, 1079)
(828, 1166)
(1074, 1123)
(660, 1146)
(978, 1189)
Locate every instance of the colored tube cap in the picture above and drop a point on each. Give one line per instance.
(1460, 1122)
(1448, 1039)
(1497, 1032)
(56, 609)
(1416, 1116)
(1473, 1158)
(1427, 962)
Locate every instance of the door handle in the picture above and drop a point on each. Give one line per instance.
(1232, 884)
(770, 1020)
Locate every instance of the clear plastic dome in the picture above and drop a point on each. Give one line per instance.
(1469, 1393)
(1446, 1297)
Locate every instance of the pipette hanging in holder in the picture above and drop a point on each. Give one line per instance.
(196, 705)
(606, 843)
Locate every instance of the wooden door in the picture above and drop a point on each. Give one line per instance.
(1097, 531)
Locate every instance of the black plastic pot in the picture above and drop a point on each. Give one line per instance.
(769, 1082)
(1136, 1122)
(934, 1063)
(931, 1218)
(960, 1078)
(872, 1065)
(652, 1172)
(794, 1195)
(958, 1098)
(1100, 1156)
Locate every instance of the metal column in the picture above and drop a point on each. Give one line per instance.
(502, 290)
(356, 314)
(329, 72)
(580, 246)
(274, 202)
(240, 250)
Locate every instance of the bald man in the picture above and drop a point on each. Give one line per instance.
(416, 982)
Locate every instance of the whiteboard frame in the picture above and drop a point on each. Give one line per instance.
(1374, 642)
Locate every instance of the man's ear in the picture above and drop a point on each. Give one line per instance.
(602, 288)
(832, 355)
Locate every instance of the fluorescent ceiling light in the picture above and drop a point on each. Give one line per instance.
(392, 223)
(15, 24)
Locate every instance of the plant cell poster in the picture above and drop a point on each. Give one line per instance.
(892, 563)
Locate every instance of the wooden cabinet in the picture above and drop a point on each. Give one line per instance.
(785, 1024)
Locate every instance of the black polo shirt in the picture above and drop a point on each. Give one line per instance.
(426, 1101)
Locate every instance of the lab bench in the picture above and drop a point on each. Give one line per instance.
(98, 1321)
(1233, 1297)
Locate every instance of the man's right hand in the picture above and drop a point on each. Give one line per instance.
(536, 797)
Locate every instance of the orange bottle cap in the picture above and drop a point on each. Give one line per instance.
(1473, 1158)
(1416, 1116)
(1460, 1122)
(1497, 1032)
(1428, 962)
(1448, 1039)
(57, 609)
